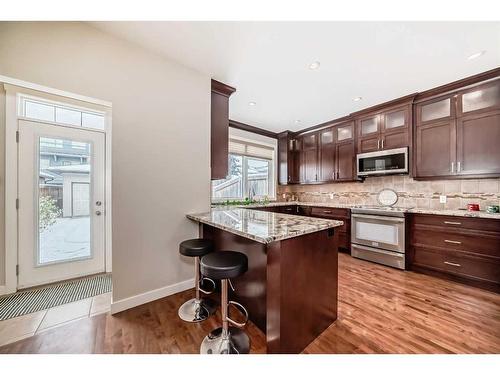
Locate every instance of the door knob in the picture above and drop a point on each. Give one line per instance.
(98, 213)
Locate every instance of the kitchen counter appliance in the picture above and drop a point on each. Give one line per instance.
(378, 232)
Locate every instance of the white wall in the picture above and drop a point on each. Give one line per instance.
(161, 128)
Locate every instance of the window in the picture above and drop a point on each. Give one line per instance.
(42, 110)
(251, 173)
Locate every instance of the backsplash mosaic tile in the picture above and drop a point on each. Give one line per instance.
(411, 193)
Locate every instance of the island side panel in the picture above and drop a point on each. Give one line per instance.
(251, 286)
(306, 269)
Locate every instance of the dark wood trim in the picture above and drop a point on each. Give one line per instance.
(386, 105)
(458, 85)
(252, 129)
(222, 88)
(327, 124)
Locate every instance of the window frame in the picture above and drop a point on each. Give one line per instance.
(24, 98)
(272, 173)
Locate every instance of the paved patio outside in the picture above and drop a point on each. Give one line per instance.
(67, 238)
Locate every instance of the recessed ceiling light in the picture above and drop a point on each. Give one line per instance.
(357, 98)
(315, 65)
(252, 103)
(476, 55)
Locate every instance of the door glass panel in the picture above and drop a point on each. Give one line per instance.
(483, 98)
(369, 126)
(395, 119)
(344, 132)
(436, 110)
(327, 137)
(63, 200)
(378, 232)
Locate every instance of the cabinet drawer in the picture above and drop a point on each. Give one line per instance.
(458, 222)
(288, 210)
(457, 264)
(487, 244)
(328, 212)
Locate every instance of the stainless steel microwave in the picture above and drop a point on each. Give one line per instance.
(375, 163)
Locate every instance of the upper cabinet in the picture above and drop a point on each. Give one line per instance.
(458, 135)
(384, 128)
(309, 158)
(219, 126)
(288, 158)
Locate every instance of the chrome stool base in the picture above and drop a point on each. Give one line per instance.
(235, 341)
(197, 310)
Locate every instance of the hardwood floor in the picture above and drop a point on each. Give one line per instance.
(381, 310)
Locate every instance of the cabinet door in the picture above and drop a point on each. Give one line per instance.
(219, 136)
(283, 160)
(395, 120)
(326, 166)
(309, 158)
(480, 99)
(345, 155)
(436, 110)
(369, 144)
(394, 140)
(478, 144)
(435, 149)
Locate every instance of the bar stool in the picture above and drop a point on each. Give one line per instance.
(225, 265)
(197, 309)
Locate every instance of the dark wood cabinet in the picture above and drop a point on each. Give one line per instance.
(384, 128)
(309, 158)
(345, 152)
(461, 248)
(288, 158)
(458, 135)
(327, 158)
(219, 126)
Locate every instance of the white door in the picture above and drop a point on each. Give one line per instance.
(61, 203)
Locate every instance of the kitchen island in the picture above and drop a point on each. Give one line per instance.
(290, 288)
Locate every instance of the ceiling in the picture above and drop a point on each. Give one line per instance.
(268, 62)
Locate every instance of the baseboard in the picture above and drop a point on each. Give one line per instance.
(141, 299)
(2, 290)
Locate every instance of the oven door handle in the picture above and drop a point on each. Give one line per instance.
(385, 218)
(380, 251)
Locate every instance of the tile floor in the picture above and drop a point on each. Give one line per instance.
(28, 325)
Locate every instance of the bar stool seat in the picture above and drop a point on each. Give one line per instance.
(197, 309)
(196, 247)
(224, 265)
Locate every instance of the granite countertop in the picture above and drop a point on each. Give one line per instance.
(430, 211)
(262, 226)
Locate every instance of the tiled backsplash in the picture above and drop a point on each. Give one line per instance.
(411, 193)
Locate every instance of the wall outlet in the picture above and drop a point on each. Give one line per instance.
(442, 199)
(331, 196)
(283, 195)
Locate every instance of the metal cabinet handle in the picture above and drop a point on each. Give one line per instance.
(453, 264)
(382, 143)
(453, 222)
(455, 242)
(452, 167)
(378, 144)
(459, 167)
(243, 310)
(327, 212)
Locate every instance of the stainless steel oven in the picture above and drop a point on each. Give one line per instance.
(393, 161)
(379, 236)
